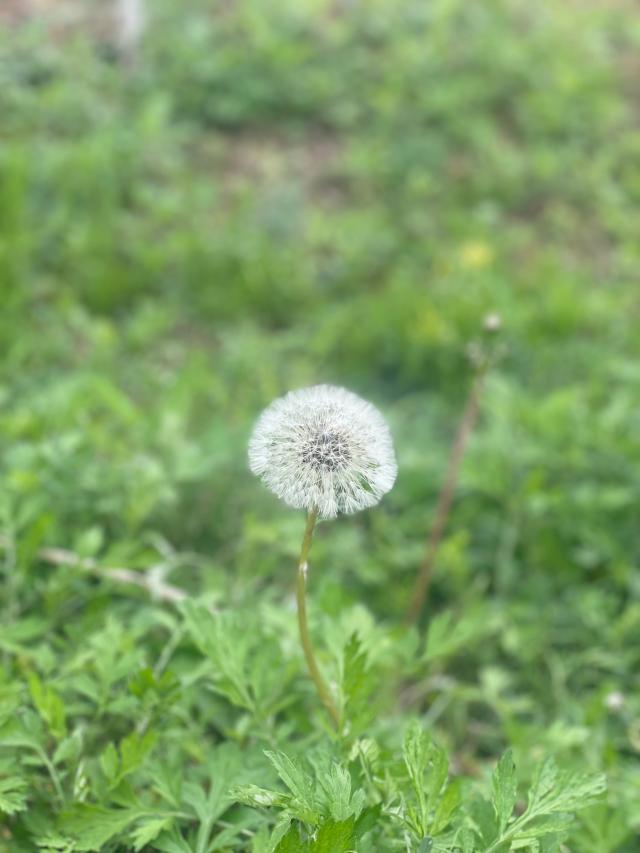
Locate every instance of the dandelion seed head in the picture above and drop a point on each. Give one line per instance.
(325, 449)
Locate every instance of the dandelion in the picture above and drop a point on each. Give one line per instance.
(329, 452)
(324, 449)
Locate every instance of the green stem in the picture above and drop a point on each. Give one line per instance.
(305, 639)
(204, 835)
(53, 773)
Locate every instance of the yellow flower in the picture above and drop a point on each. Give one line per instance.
(475, 254)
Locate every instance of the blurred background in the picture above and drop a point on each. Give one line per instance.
(205, 204)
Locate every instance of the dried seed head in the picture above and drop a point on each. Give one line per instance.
(492, 322)
(323, 449)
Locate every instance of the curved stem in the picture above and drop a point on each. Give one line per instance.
(305, 639)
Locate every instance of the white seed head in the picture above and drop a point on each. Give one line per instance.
(324, 449)
(614, 701)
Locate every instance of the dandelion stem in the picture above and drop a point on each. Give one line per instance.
(305, 639)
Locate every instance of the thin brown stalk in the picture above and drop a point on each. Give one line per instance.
(445, 499)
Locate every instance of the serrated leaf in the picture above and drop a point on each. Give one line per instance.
(553, 798)
(92, 826)
(49, 705)
(133, 750)
(446, 637)
(544, 778)
(504, 789)
(148, 831)
(226, 647)
(356, 685)
(300, 785)
(334, 837)
(171, 842)
(336, 786)
(427, 765)
(552, 791)
(25, 731)
(13, 798)
(225, 766)
(545, 824)
(54, 842)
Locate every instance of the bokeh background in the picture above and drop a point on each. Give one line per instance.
(233, 199)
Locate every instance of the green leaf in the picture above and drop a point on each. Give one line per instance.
(110, 762)
(291, 842)
(545, 824)
(24, 731)
(445, 808)
(367, 820)
(415, 751)
(172, 842)
(553, 797)
(148, 831)
(484, 820)
(282, 827)
(133, 751)
(552, 791)
(544, 779)
(49, 705)
(428, 766)
(117, 765)
(52, 841)
(12, 795)
(334, 837)
(252, 795)
(300, 785)
(210, 802)
(92, 826)
(230, 837)
(69, 749)
(504, 789)
(336, 786)
(227, 646)
(356, 686)
(446, 637)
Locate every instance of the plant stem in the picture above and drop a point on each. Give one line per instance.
(305, 639)
(467, 422)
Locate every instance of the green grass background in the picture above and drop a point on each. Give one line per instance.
(285, 193)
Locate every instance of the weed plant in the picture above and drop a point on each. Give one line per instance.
(276, 195)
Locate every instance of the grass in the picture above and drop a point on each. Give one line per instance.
(278, 195)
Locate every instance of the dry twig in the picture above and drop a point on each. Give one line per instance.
(149, 581)
(482, 362)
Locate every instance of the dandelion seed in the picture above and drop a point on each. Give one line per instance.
(325, 450)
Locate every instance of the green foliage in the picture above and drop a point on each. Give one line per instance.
(435, 800)
(276, 194)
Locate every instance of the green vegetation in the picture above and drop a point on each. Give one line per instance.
(279, 194)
